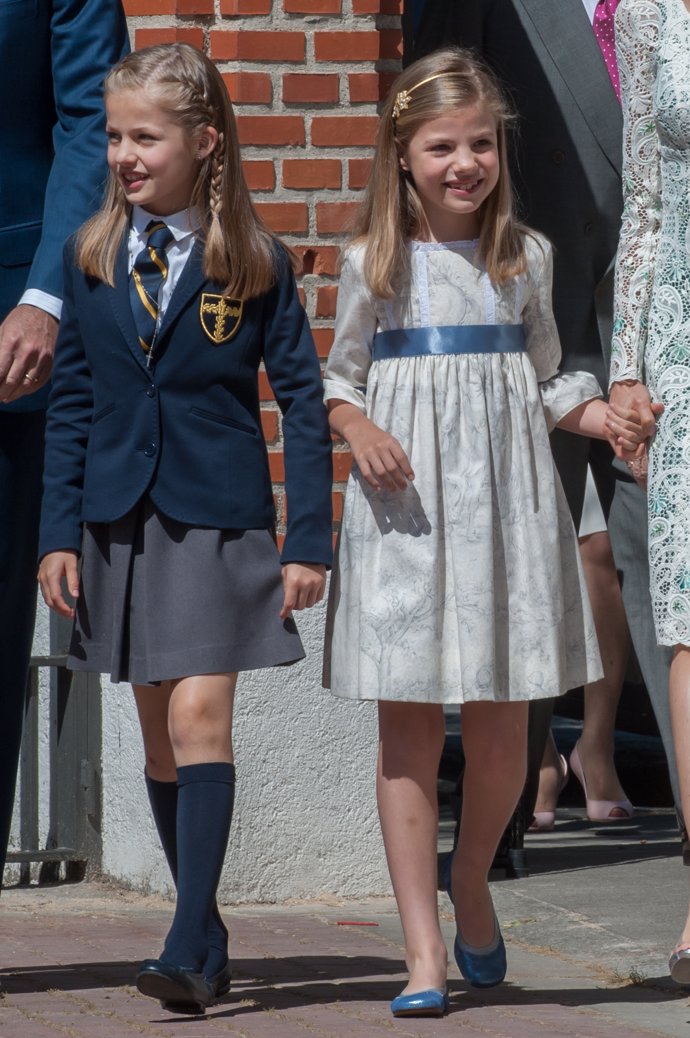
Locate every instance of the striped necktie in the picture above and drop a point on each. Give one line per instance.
(604, 31)
(148, 274)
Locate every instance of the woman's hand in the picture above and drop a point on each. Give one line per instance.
(56, 567)
(304, 584)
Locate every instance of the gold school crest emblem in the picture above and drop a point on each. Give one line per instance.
(220, 316)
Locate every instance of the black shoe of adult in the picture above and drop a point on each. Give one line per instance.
(190, 992)
(220, 985)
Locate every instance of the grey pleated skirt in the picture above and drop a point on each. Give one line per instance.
(161, 600)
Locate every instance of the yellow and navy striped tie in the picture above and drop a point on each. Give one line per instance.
(148, 274)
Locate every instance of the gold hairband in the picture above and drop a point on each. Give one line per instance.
(402, 98)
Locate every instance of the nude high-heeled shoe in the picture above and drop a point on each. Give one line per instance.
(544, 821)
(600, 810)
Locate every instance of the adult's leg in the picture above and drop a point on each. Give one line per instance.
(596, 743)
(411, 737)
(494, 740)
(627, 523)
(570, 455)
(21, 465)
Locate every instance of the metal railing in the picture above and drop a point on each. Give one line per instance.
(72, 802)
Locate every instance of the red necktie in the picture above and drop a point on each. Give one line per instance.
(604, 31)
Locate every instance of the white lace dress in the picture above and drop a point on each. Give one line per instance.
(652, 300)
(466, 585)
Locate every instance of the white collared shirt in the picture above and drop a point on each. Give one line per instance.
(183, 226)
(590, 7)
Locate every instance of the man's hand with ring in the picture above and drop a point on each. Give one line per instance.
(27, 343)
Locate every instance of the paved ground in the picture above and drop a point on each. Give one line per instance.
(588, 936)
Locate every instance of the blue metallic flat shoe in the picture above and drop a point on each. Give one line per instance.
(481, 967)
(679, 966)
(433, 1002)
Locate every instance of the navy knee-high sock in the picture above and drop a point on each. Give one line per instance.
(163, 797)
(205, 798)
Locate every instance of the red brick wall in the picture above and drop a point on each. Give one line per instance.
(305, 77)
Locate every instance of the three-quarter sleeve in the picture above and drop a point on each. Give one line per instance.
(636, 50)
(560, 392)
(356, 323)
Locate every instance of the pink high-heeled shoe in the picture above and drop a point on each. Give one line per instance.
(599, 810)
(544, 821)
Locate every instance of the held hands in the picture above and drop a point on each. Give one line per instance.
(56, 567)
(630, 402)
(27, 343)
(304, 584)
(631, 419)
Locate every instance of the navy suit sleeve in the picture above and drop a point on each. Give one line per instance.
(294, 373)
(444, 24)
(87, 38)
(70, 412)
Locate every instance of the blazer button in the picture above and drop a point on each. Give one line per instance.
(588, 227)
(151, 391)
(150, 450)
(557, 157)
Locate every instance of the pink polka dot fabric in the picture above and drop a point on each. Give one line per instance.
(604, 32)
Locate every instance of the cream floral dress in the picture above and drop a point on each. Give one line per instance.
(466, 585)
(652, 301)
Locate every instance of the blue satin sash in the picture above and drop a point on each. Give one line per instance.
(468, 338)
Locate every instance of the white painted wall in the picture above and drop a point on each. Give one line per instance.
(305, 821)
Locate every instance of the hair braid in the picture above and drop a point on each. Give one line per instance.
(216, 185)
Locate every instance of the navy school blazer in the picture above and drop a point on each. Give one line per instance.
(186, 431)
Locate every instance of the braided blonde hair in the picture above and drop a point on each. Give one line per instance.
(239, 251)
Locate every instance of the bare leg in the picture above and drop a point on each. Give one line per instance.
(494, 739)
(596, 744)
(550, 778)
(153, 705)
(411, 740)
(679, 689)
(200, 718)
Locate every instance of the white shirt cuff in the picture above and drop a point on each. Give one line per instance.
(51, 304)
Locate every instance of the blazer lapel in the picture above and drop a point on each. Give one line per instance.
(121, 306)
(579, 61)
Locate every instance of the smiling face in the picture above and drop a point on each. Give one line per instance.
(454, 164)
(155, 160)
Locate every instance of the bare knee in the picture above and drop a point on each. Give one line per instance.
(410, 732)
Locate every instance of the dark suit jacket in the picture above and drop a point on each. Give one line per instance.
(187, 431)
(54, 55)
(567, 153)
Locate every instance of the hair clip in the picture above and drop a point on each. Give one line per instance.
(402, 102)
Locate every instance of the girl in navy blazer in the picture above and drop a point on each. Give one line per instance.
(158, 511)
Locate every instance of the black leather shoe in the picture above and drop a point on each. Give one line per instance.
(189, 992)
(220, 985)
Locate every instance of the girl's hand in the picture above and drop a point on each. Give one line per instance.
(304, 584)
(379, 456)
(56, 567)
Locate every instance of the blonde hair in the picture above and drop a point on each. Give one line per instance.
(392, 212)
(239, 251)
